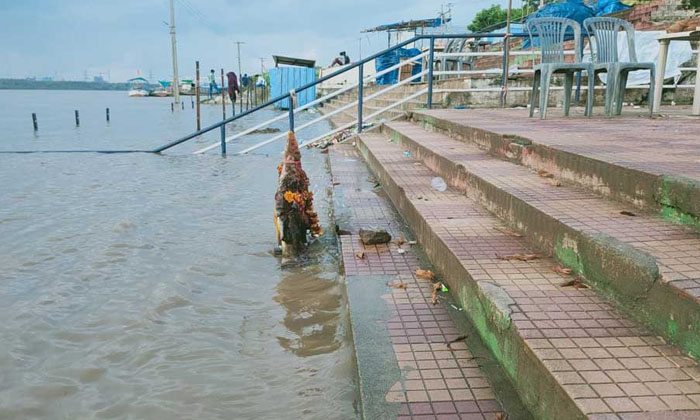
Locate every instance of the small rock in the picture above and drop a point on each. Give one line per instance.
(374, 236)
(340, 231)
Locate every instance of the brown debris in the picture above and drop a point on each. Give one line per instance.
(544, 174)
(554, 183)
(434, 299)
(397, 285)
(518, 257)
(575, 283)
(627, 213)
(425, 274)
(501, 416)
(400, 240)
(563, 271)
(360, 255)
(508, 232)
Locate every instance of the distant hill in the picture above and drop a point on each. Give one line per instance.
(60, 85)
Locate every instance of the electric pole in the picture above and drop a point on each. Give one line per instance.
(176, 79)
(240, 74)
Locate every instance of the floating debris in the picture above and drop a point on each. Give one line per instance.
(264, 131)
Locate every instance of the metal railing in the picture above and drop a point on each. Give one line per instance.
(428, 58)
(357, 65)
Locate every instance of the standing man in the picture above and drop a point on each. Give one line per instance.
(212, 82)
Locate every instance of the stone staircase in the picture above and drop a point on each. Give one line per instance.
(578, 266)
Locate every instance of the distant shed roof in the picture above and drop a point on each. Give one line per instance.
(292, 61)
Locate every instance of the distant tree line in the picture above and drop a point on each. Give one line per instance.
(60, 85)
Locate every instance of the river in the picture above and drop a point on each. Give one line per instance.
(143, 286)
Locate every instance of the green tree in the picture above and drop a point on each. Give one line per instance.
(493, 17)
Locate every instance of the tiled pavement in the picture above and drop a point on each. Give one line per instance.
(609, 367)
(675, 248)
(439, 383)
(661, 146)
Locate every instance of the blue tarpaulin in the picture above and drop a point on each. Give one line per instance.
(284, 79)
(392, 58)
(575, 10)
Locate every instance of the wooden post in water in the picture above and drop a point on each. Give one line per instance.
(223, 111)
(77, 118)
(107, 114)
(34, 121)
(172, 107)
(196, 91)
(192, 101)
(182, 104)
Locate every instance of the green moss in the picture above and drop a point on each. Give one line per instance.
(672, 214)
(568, 256)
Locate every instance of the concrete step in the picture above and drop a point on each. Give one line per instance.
(569, 353)
(648, 266)
(367, 110)
(656, 168)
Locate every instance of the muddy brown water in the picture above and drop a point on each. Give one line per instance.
(143, 287)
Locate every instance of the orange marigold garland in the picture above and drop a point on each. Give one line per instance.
(294, 201)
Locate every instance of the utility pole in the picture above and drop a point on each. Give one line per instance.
(238, 44)
(360, 41)
(176, 79)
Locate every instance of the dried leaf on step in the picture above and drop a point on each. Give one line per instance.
(544, 174)
(627, 213)
(518, 257)
(451, 342)
(563, 271)
(501, 416)
(324, 151)
(554, 183)
(576, 283)
(397, 285)
(400, 240)
(360, 255)
(425, 274)
(336, 183)
(507, 232)
(434, 299)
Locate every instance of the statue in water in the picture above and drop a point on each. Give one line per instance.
(294, 210)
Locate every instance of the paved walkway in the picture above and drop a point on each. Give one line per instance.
(436, 382)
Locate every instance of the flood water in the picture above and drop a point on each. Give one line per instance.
(142, 286)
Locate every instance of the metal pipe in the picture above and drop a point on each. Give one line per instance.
(292, 104)
(223, 96)
(360, 89)
(431, 57)
(35, 122)
(196, 90)
(506, 57)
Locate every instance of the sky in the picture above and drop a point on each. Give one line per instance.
(72, 39)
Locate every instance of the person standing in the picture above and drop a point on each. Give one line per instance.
(212, 82)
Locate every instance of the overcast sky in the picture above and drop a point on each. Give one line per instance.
(65, 39)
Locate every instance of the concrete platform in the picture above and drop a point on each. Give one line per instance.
(569, 352)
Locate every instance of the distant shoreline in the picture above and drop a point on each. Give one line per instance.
(24, 84)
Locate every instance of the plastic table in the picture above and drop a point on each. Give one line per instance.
(664, 41)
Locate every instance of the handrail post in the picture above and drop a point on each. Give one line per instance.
(504, 74)
(360, 90)
(292, 104)
(223, 139)
(431, 57)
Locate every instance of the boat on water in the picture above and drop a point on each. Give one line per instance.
(187, 87)
(163, 89)
(137, 87)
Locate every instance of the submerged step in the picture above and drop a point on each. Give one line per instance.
(650, 267)
(569, 353)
